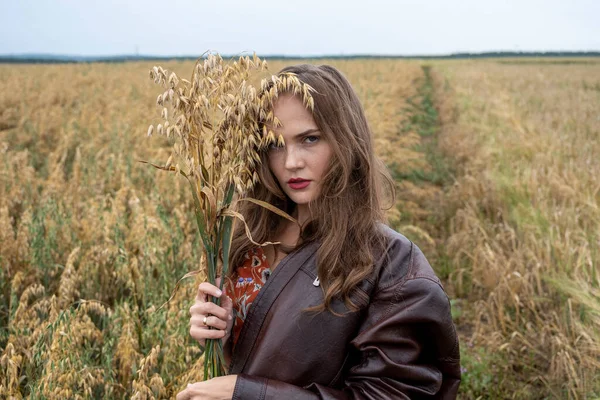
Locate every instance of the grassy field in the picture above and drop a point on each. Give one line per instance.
(497, 174)
(523, 234)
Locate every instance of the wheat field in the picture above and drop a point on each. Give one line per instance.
(524, 236)
(496, 170)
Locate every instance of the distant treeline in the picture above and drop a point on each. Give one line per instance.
(60, 59)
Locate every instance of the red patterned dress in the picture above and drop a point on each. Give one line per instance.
(249, 278)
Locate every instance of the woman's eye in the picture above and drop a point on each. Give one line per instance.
(275, 147)
(311, 139)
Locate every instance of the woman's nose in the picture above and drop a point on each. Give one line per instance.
(293, 159)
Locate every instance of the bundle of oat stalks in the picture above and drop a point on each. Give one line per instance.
(219, 123)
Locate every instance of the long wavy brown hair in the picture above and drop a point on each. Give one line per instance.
(346, 217)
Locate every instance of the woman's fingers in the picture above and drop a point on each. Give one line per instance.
(201, 333)
(211, 308)
(183, 395)
(208, 320)
(186, 394)
(190, 393)
(198, 320)
(206, 288)
(227, 303)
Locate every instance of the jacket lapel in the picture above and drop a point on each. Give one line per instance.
(284, 272)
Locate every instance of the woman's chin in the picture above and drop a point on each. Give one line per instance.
(300, 200)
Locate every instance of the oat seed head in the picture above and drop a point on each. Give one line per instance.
(216, 118)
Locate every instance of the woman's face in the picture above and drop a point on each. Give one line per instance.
(302, 162)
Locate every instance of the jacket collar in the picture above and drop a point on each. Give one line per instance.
(267, 295)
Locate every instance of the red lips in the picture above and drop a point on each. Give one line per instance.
(298, 183)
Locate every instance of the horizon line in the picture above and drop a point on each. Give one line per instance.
(275, 55)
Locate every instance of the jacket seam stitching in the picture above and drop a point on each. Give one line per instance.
(397, 295)
(411, 264)
(310, 275)
(263, 389)
(449, 359)
(437, 281)
(383, 287)
(236, 389)
(427, 277)
(406, 277)
(397, 289)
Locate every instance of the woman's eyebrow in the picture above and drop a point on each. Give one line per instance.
(306, 132)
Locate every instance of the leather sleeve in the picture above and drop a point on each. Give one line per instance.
(407, 349)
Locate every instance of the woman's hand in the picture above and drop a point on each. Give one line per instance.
(206, 314)
(220, 388)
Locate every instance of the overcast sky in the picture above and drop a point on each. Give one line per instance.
(305, 27)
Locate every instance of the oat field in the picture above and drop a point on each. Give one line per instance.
(497, 173)
(524, 234)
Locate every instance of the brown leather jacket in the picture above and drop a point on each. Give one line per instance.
(401, 345)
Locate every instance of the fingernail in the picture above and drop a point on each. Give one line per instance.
(229, 317)
(219, 293)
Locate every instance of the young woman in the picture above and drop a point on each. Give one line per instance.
(343, 307)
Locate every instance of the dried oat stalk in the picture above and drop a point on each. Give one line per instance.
(219, 123)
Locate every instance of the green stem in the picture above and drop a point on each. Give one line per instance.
(214, 360)
(226, 235)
